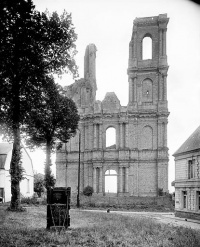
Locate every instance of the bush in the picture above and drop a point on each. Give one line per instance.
(33, 200)
(160, 191)
(28, 200)
(88, 191)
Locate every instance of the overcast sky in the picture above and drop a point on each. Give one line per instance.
(108, 24)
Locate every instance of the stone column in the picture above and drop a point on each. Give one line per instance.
(134, 89)
(159, 138)
(82, 130)
(95, 137)
(86, 136)
(120, 180)
(117, 136)
(94, 179)
(165, 87)
(160, 42)
(164, 41)
(160, 87)
(134, 44)
(137, 179)
(100, 135)
(126, 179)
(81, 176)
(126, 136)
(101, 180)
(121, 135)
(130, 90)
(130, 49)
(165, 134)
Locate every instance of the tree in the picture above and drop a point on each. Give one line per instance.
(39, 184)
(55, 119)
(32, 46)
(88, 191)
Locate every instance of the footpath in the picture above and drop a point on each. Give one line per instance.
(162, 217)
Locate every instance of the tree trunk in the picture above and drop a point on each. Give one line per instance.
(47, 165)
(15, 171)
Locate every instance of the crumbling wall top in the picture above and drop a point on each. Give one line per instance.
(111, 103)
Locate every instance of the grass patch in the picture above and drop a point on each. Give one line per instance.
(90, 229)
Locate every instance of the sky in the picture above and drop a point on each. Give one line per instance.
(108, 24)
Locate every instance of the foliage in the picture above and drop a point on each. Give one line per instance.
(88, 191)
(55, 119)
(17, 173)
(32, 46)
(160, 191)
(39, 184)
(92, 229)
(49, 180)
(29, 200)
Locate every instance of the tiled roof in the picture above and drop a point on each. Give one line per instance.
(192, 143)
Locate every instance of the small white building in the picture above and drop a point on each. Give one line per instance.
(26, 185)
(187, 177)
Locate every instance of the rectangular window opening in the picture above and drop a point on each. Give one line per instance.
(191, 169)
(184, 199)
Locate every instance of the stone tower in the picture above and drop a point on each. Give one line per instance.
(138, 161)
(148, 95)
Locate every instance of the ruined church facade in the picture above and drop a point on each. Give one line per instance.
(139, 158)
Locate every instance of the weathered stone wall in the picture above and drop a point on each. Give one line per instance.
(125, 202)
(185, 184)
(189, 215)
(140, 154)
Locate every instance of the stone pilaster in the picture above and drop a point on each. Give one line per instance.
(135, 89)
(94, 180)
(165, 134)
(165, 87)
(82, 131)
(126, 179)
(86, 137)
(95, 136)
(121, 135)
(100, 135)
(101, 180)
(120, 180)
(126, 136)
(134, 44)
(164, 41)
(131, 90)
(118, 137)
(160, 87)
(160, 136)
(160, 42)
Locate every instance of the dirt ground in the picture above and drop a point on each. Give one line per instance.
(162, 217)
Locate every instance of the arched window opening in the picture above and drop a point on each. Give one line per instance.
(146, 48)
(147, 91)
(111, 138)
(110, 181)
